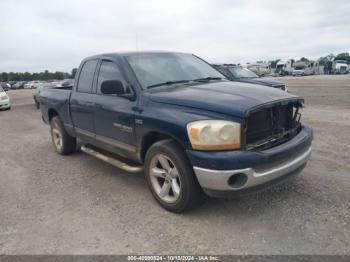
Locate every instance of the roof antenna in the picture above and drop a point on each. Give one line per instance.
(137, 42)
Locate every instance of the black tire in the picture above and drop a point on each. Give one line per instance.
(37, 104)
(67, 143)
(191, 194)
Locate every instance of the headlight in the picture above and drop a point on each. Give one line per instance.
(214, 135)
(4, 97)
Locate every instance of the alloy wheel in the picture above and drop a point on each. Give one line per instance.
(165, 178)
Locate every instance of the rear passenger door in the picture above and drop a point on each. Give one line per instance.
(114, 115)
(82, 101)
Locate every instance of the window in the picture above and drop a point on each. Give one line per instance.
(223, 71)
(109, 71)
(155, 68)
(240, 72)
(86, 76)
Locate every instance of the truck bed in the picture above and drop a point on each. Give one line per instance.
(58, 99)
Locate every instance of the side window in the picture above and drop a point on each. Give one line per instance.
(109, 71)
(224, 71)
(86, 76)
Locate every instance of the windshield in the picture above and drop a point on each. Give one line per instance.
(239, 72)
(154, 69)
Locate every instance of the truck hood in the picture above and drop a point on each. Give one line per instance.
(339, 65)
(261, 81)
(231, 98)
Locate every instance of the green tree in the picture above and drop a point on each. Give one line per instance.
(74, 72)
(304, 59)
(45, 75)
(274, 63)
(323, 60)
(343, 56)
(4, 77)
(58, 76)
(27, 76)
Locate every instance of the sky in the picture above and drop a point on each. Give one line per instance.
(56, 35)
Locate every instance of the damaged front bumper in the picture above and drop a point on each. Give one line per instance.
(223, 174)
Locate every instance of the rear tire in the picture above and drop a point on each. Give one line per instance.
(37, 104)
(170, 177)
(63, 143)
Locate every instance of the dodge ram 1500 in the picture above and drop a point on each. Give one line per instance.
(180, 121)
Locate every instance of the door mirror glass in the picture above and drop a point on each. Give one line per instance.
(112, 87)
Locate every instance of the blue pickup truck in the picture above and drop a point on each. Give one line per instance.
(181, 122)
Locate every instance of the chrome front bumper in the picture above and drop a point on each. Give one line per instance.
(219, 180)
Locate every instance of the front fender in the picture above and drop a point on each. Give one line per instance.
(172, 120)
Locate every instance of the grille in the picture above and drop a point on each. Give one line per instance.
(271, 126)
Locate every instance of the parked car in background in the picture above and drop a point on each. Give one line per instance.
(67, 82)
(5, 86)
(32, 85)
(4, 100)
(179, 120)
(302, 68)
(18, 85)
(240, 74)
(12, 83)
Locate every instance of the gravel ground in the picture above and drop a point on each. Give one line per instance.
(50, 204)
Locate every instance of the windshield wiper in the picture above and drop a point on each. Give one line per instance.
(209, 78)
(168, 83)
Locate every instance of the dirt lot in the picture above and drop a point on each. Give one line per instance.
(80, 205)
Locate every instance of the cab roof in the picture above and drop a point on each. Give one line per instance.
(128, 53)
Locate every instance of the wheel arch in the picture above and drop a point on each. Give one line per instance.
(51, 114)
(153, 137)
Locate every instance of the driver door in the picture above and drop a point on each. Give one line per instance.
(114, 117)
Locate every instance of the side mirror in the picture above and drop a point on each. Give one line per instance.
(112, 87)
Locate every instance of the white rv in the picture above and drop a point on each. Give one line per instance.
(303, 68)
(284, 67)
(260, 68)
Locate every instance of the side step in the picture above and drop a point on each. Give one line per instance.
(131, 169)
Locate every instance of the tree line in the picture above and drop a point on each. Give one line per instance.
(47, 75)
(342, 56)
(42, 76)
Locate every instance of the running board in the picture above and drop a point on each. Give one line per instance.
(112, 161)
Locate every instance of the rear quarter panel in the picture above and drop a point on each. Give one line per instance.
(56, 100)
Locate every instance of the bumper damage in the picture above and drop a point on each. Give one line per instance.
(255, 170)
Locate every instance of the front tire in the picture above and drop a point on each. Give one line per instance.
(63, 143)
(170, 177)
